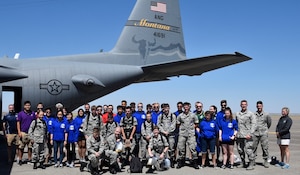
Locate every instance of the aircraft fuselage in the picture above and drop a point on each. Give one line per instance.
(70, 80)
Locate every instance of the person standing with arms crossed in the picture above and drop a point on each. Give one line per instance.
(284, 136)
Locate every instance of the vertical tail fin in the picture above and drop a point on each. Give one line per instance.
(153, 32)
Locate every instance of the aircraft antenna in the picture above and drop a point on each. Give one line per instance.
(17, 55)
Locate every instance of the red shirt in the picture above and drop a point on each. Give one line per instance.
(105, 117)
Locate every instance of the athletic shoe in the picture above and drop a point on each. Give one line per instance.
(279, 164)
(71, 165)
(236, 159)
(61, 165)
(56, 165)
(223, 167)
(286, 166)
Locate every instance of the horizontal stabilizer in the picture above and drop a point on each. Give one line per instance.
(9, 74)
(190, 67)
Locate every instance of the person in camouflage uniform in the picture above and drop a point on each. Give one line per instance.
(37, 134)
(146, 131)
(264, 122)
(247, 125)
(199, 111)
(98, 149)
(157, 149)
(167, 124)
(128, 126)
(91, 121)
(108, 128)
(115, 143)
(187, 122)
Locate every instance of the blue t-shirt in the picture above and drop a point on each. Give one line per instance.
(58, 130)
(155, 116)
(48, 122)
(220, 117)
(140, 117)
(228, 127)
(78, 122)
(72, 130)
(118, 117)
(177, 113)
(208, 129)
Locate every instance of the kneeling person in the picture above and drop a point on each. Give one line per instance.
(98, 149)
(157, 149)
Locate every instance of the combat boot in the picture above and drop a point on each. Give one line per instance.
(94, 171)
(112, 169)
(82, 165)
(42, 165)
(180, 163)
(34, 165)
(150, 170)
(172, 163)
(266, 163)
(195, 164)
(251, 165)
(117, 167)
(242, 164)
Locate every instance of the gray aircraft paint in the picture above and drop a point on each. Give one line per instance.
(150, 48)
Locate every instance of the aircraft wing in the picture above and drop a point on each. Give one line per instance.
(9, 74)
(190, 67)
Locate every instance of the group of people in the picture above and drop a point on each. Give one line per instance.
(158, 137)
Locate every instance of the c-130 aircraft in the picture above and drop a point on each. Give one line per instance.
(150, 48)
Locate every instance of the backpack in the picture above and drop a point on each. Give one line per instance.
(116, 124)
(162, 138)
(135, 165)
(152, 125)
(35, 123)
(123, 119)
(162, 115)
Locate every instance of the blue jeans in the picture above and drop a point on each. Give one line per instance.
(59, 144)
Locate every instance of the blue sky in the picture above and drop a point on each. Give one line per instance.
(267, 31)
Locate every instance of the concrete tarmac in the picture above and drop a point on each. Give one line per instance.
(294, 169)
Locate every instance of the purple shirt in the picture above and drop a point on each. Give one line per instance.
(25, 120)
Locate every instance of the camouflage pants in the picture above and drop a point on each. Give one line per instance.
(171, 151)
(38, 152)
(143, 148)
(245, 146)
(264, 142)
(109, 155)
(191, 143)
